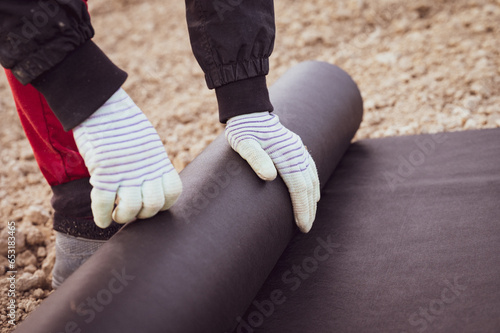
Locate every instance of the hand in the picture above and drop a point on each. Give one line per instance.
(127, 163)
(266, 145)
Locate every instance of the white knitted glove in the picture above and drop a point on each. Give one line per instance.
(266, 145)
(127, 163)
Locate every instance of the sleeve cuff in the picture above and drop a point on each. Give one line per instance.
(80, 84)
(242, 97)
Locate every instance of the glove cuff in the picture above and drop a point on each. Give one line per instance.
(249, 115)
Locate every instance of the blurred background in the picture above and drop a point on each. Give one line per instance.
(422, 66)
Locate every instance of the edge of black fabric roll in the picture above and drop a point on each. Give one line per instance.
(197, 267)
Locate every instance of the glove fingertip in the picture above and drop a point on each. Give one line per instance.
(102, 207)
(102, 222)
(169, 202)
(172, 187)
(304, 223)
(121, 217)
(262, 165)
(267, 174)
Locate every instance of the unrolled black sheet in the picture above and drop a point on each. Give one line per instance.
(198, 266)
(407, 239)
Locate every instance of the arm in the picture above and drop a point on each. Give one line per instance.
(47, 43)
(232, 41)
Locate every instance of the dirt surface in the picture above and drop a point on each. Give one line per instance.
(422, 66)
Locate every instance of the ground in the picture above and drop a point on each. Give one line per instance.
(422, 66)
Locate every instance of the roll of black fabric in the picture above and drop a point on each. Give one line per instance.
(197, 267)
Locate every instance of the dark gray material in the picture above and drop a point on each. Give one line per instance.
(197, 267)
(420, 255)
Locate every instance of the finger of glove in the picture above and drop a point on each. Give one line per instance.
(310, 191)
(314, 174)
(314, 183)
(129, 204)
(153, 198)
(297, 187)
(259, 160)
(102, 206)
(316, 189)
(172, 188)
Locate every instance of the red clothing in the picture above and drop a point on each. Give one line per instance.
(54, 149)
(60, 162)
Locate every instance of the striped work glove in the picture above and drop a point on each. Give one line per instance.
(266, 145)
(127, 163)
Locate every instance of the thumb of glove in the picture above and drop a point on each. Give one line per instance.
(259, 160)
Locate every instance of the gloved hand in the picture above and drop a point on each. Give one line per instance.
(266, 145)
(127, 163)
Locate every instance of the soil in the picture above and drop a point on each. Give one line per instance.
(422, 66)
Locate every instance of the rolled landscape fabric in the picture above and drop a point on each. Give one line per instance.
(197, 267)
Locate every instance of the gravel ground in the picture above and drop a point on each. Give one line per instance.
(422, 66)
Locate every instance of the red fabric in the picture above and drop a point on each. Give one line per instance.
(54, 149)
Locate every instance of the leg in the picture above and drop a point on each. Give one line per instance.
(64, 169)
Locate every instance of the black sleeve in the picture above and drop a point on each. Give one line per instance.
(232, 41)
(47, 43)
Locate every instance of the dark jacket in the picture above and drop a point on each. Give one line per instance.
(48, 43)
